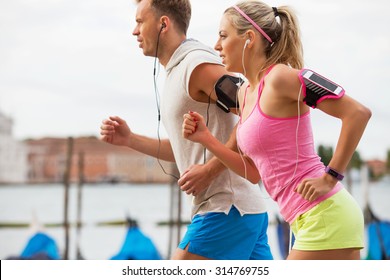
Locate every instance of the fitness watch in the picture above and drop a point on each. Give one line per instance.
(334, 173)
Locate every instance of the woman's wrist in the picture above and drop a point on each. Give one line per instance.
(334, 173)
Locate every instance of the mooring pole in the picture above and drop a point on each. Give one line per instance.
(68, 167)
(79, 256)
(174, 210)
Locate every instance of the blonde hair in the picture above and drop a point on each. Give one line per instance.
(287, 47)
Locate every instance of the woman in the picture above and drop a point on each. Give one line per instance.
(274, 132)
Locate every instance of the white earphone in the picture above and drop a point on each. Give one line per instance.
(246, 43)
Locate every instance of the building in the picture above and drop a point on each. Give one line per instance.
(377, 167)
(13, 157)
(92, 159)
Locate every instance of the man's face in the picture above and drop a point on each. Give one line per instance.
(147, 28)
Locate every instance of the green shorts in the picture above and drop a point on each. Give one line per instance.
(335, 223)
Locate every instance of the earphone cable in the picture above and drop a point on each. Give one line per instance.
(207, 125)
(240, 116)
(157, 95)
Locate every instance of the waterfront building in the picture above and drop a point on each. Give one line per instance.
(101, 162)
(13, 154)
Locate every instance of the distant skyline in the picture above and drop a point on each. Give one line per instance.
(66, 65)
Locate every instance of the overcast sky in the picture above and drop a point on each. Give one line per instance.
(65, 65)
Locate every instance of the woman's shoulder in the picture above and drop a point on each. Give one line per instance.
(283, 70)
(282, 75)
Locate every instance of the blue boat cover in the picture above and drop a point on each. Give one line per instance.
(283, 232)
(41, 246)
(378, 240)
(137, 246)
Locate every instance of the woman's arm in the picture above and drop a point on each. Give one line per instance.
(194, 129)
(354, 117)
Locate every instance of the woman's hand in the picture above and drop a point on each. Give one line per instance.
(312, 188)
(194, 128)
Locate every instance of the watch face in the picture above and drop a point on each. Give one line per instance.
(334, 173)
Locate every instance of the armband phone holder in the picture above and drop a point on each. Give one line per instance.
(318, 88)
(226, 89)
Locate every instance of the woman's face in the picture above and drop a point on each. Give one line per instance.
(230, 46)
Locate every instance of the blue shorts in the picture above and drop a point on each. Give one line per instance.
(228, 237)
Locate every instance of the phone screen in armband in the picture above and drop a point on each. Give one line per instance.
(318, 88)
(226, 89)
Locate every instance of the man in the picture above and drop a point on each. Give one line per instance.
(229, 220)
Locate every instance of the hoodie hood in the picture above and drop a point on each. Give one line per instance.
(188, 45)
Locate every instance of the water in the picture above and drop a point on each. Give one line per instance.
(101, 203)
(148, 204)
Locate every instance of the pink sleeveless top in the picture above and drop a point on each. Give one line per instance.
(272, 145)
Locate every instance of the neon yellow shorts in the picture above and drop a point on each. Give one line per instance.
(335, 223)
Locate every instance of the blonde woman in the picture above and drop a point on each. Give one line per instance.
(274, 132)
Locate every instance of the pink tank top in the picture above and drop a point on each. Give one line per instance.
(272, 145)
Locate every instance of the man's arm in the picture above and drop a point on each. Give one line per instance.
(115, 130)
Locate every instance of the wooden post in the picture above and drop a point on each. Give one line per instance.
(175, 206)
(179, 196)
(348, 180)
(170, 220)
(79, 204)
(364, 179)
(68, 167)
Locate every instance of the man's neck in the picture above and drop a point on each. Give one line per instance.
(169, 48)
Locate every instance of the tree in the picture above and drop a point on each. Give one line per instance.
(388, 162)
(325, 153)
(356, 161)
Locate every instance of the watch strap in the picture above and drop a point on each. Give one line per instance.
(334, 173)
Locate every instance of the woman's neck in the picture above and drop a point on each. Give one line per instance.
(254, 77)
(255, 69)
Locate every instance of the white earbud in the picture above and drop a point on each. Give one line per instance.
(246, 43)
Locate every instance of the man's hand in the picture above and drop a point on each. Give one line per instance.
(115, 130)
(196, 179)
